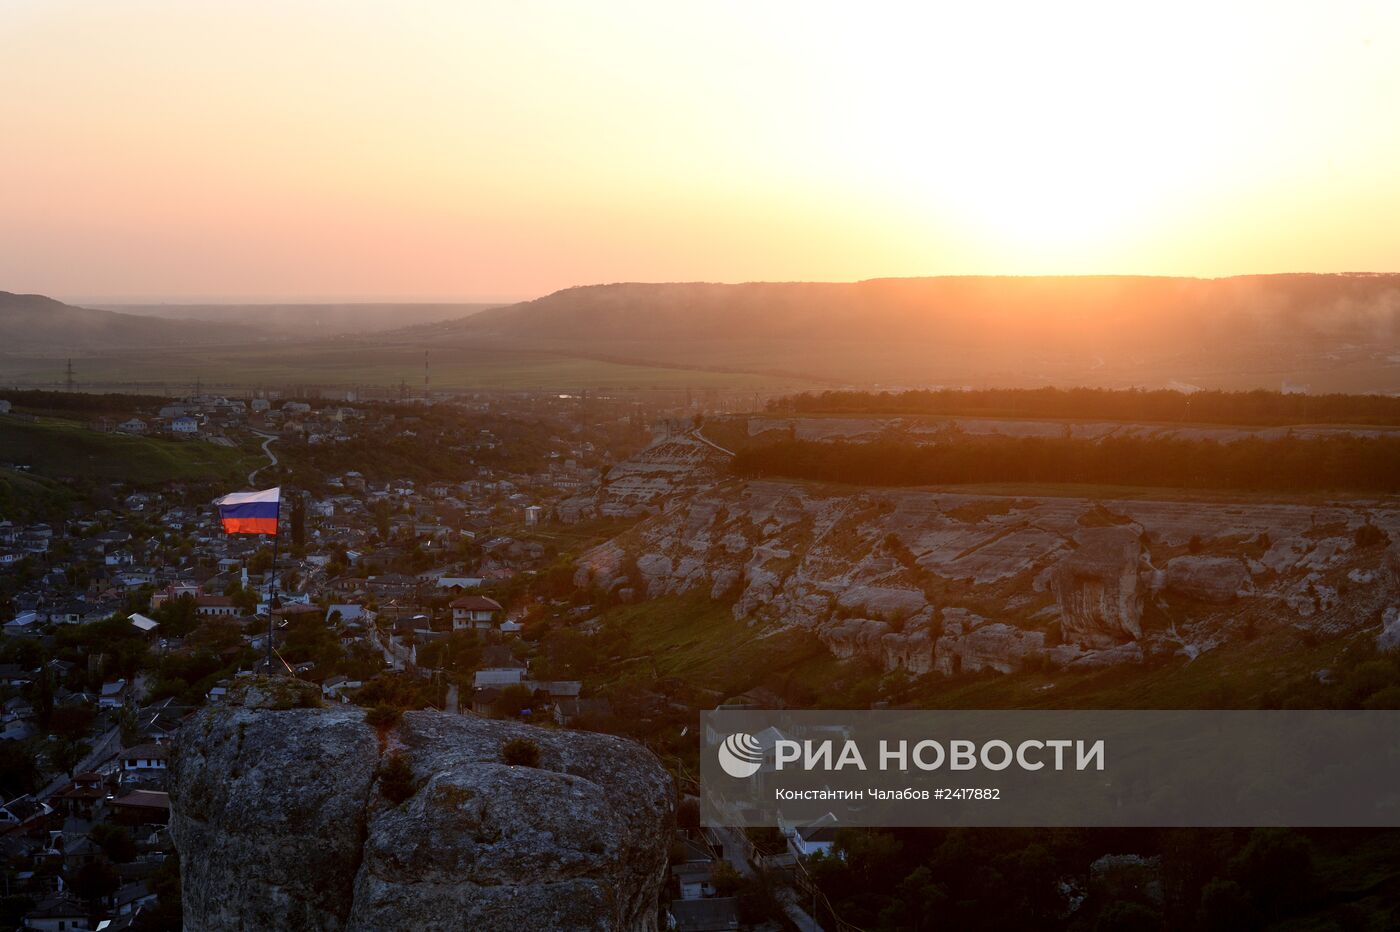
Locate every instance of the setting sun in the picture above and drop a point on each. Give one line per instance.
(498, 151)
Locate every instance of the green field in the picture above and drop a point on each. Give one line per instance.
(346, 364)
(59, 449)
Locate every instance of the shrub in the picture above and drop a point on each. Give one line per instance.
(396, 779)
(1368, 535)
(383, 717)
(520, 752)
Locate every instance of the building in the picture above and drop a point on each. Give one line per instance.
(143, 759)
(474, 611)
(215, 606)
(184, 425)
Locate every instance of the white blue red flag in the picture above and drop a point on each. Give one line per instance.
(250, 512)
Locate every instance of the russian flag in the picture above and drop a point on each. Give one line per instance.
(250, 512)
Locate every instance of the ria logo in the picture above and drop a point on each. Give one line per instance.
(740, 755)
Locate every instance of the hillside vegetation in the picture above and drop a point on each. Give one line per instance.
(31, 323)
(58, 449)
(1254, 408)
(1332, 332)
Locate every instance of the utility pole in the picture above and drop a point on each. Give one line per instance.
(68, 383)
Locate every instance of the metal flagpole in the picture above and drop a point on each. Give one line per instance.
(274, 603)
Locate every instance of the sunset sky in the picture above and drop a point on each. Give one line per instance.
(336, 149)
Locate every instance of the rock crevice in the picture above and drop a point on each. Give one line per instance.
(280, 823)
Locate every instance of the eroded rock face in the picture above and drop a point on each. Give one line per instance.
(970, 644)
(1211, 579)
(281, 824)
(1097, 588)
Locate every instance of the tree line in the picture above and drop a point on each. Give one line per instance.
(1293, 464)
(1258, 408)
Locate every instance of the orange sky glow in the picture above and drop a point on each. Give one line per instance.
(330, 149)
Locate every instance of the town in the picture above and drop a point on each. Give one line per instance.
(417, 542)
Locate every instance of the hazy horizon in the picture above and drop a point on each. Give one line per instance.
(134, 301)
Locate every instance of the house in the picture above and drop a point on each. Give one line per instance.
(131, 897)
(333, 687)
(143, 759)
(24, 811)
(175, 591)
(81, 796)
(459, 582)
(348, 611)
(114, 695)
(216, 606)
(570, 712)
(814, 838)
(133, 426)
(60, 912)
(474, 611)
(498, 676)
(146, 626)
(22, 624)
(184, 425)
(140, 807)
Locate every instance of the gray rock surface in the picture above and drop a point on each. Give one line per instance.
(1211, 579)
(1097, 588)
(281, 824)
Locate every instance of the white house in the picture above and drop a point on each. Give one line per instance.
(498, 676)
(132, 426)
(184, 425)
(459, 582)
(143, 624)
(813, 838)
(474, 611)
(144, 759)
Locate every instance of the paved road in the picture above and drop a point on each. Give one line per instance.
(102, 749)
(710, 443)
(267, 450)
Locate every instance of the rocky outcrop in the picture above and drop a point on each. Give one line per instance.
(1098, 589)
(1210, 579)
(797, 555)
(970, 644)
(282, 821)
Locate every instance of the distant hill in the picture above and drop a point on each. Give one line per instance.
(31, 323)
(308, 320)
(1338, 332)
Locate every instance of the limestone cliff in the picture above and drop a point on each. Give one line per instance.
(939, 582)
(283, 821)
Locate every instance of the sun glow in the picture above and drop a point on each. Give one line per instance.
(505, 150)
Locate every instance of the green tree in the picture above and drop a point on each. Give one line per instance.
(115, 841)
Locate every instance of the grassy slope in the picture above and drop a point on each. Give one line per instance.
(696, 640)
(347, 363)
(55, 448)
